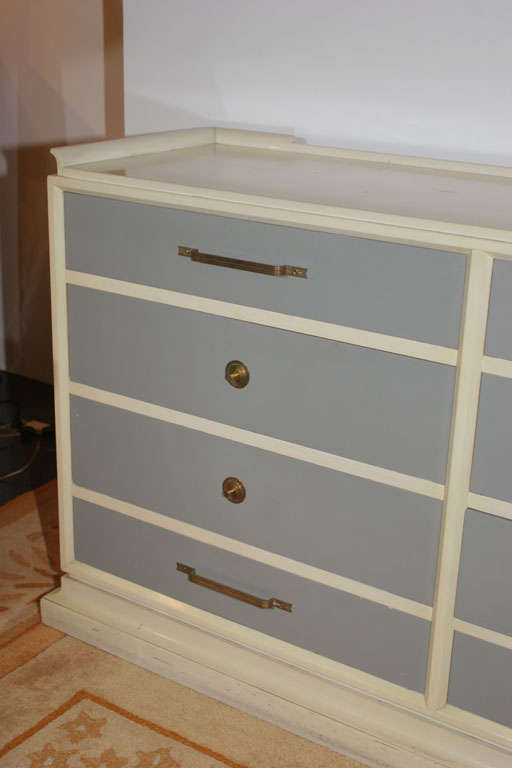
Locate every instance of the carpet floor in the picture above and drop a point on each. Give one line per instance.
(65, 704)
(29, 558)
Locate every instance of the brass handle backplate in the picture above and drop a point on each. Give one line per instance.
(236, 374)
(233, 490)
(245, 597)
(248, 266)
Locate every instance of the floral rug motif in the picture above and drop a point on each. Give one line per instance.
(90, 732)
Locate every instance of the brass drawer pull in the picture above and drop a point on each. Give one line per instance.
(249, 266)
(237, 374)
(245, 597)
(233, 490)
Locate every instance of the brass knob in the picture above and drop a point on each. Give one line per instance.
(233, 490)
(237, 374)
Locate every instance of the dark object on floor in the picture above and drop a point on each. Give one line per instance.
(24, 400)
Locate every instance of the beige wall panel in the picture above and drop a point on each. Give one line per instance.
(60, 82)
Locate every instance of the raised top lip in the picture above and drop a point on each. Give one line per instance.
(153, 143)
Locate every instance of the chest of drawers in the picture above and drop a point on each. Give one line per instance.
(284, 395)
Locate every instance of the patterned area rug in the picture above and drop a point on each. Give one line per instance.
(89, 731)
(74, 706)
(29, 559)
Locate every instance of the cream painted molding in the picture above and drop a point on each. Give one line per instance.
(335, 332)
(491, 506)
(163, 141)
(334, 715)
(289, 143)
(149, 143)
(497, 367)
(460, 456)
(61, 369)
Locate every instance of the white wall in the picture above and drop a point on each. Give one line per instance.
(427, 77)
(53, 90)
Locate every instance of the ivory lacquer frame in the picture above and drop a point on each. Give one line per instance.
(481, 247)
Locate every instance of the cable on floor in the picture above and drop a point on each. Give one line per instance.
(25, 466)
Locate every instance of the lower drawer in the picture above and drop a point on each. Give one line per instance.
(481, 679)
(483, 593)
(348, 629)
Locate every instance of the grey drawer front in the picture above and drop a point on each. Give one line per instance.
(357, 632)
(369, 532)
(492, 463)
(372, 406)
(481, 679)
(499, 325)
(484, 594)
(396, 289)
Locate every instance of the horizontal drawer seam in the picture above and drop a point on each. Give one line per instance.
(342, 583)
(377, 474)
(497, 366)
(482, 633)
(491, 506)
(355, 336)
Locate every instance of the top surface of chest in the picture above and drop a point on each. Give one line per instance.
(464, 196)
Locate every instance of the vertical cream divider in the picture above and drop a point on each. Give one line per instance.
(61, 368)
(462, 437)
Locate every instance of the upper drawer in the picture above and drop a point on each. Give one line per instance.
(401, 290)
(499, 326)
(367, 405)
